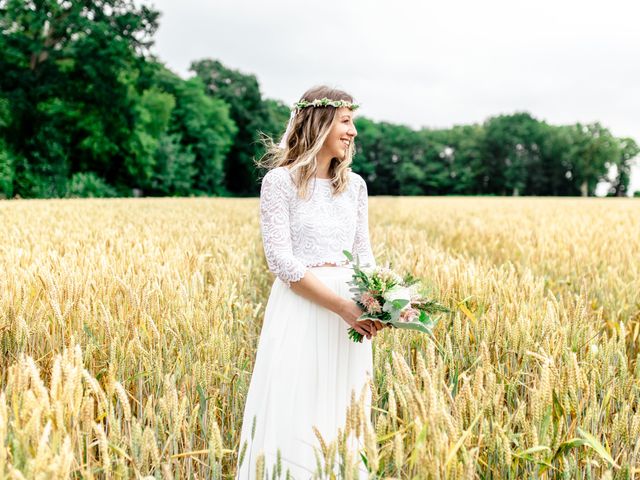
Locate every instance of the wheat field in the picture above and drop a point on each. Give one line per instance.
(128, 330)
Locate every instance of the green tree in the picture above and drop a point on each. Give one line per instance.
(68, 72)
(428, 151)
(459, 148)
(242, 93)
(512, 151)
(153, 111)
(88, 184)
(7, 160)
(175, 167)
(628, 150)
(556, 162)
(276, 117)
(204, 128)
(388, 147)
(592, 147)
(367, 145)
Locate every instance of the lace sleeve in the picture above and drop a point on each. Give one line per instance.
(275, 228)
(361, 243)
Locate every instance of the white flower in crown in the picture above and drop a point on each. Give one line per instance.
(325, 102)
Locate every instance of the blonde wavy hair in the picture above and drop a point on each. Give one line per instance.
(310, 129)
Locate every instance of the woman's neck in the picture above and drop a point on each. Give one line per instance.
(324, 162)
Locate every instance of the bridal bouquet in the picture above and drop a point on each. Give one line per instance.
(391, 299)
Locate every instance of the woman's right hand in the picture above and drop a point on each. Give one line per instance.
(350, 312)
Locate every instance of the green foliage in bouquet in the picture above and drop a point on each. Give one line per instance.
(385, 296)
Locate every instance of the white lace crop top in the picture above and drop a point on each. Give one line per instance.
(299, 233)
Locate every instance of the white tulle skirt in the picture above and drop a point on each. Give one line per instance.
(305, 369)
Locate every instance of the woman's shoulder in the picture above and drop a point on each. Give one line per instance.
(280, 175)
(357, 179)
(355, 176)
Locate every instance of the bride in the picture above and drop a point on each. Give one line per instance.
(312, 207)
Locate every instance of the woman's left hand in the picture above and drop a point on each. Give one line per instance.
(379, 325)
(374, 327)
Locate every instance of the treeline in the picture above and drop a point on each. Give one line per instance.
(86, 110)
(506, 155)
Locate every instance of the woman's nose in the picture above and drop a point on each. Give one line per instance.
(352, 132)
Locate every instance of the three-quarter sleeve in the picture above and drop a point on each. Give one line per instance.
(362, 243)
(274, 225)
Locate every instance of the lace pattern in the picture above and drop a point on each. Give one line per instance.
(300, 233)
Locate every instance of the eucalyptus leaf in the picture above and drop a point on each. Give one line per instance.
(418, 327)
(400, 303)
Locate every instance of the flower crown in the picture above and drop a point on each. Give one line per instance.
(325, 102)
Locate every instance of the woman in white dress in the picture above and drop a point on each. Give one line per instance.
(312, 207)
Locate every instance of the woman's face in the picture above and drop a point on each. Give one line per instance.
(341, 135)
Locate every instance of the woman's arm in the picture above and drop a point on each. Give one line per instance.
(313, 289)
(275, 228)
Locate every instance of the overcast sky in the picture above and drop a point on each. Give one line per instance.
(426, 64)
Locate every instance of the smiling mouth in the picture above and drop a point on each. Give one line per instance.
(346, 143)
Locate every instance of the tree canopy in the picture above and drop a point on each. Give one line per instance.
(86, 110)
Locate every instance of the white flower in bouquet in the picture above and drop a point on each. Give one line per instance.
(398, 293)
(368, 270)
(387, 275)
(392, 299)
(414, 292)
